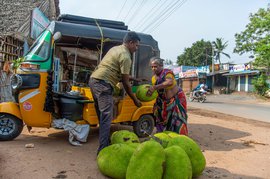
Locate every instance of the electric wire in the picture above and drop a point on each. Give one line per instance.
(164, 11)
(152, 15)
(130, 9)
(167, 16)
(121, 9)
(145, 18)
(136, 12)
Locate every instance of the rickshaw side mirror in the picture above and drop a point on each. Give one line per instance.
(57, 36)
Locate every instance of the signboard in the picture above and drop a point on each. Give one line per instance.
(188, 74)
(240, 67)
(203, 69)
(187, 68)
(38, 23)
(176, 70)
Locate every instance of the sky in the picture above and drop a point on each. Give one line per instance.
(175, 24)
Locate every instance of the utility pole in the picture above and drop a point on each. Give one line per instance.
(213, 70)
(206, 57)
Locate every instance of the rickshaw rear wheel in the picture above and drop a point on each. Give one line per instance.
(144, 126)
(10, 127)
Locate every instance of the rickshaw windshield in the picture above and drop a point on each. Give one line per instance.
(40, 50)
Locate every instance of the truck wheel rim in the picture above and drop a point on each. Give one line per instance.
(145, 126)
(7, 126)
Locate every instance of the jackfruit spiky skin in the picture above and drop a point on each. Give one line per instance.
(178, 164)
(193, 151)
(171, 134)
(141, 93)
(164, 138)
(147, 161)
(113, 160)
(124, 136)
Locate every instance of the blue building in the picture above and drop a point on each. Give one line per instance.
(240, 78)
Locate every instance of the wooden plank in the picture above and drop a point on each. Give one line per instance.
(10, 44)
(11, 48)
(12, 54)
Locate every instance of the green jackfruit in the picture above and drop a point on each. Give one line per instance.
(171, 134)
(124, 136)
(147, 161)
(113, 160)
(164, 138)
(178, 164)
(133, 145)
(141, 93)
(193, 151)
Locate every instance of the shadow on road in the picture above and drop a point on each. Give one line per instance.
(215, 172)
(205, 134)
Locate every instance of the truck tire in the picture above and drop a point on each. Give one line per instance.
(146, 124)
(10, 127)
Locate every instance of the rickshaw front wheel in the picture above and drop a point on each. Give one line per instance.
(10, 127)
(144, 126)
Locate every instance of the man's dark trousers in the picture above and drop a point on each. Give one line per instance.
(102, 94)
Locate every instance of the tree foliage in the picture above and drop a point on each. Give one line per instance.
(168, 62)
(199, 54)
(255, 39)
(260, 84)
(219, 47)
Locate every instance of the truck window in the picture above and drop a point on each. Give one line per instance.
(40, 50)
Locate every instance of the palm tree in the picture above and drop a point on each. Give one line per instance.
(219, 47)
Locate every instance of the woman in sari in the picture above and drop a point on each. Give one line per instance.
(170, 109)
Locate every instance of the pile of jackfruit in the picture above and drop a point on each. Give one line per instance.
(165, 155)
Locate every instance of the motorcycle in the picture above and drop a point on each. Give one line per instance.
(200, 96)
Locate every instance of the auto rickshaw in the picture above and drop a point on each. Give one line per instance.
(41, 91)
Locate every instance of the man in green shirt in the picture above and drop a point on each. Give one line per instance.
(114, 67)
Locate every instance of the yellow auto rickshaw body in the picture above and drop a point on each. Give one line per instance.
(31, 104)
(126, 111)
(65, 47)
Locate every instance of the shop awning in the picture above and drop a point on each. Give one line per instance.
(217, 72)
(246, 72)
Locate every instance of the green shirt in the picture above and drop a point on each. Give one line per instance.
(117, 61)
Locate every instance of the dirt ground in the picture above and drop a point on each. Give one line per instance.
(235, 148)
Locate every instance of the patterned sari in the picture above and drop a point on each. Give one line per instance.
(170, 114)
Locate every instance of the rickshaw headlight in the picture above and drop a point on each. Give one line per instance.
(16, 81)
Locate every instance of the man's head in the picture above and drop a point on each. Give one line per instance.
(131, 41)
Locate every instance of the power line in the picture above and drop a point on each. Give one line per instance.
(166, 17)
(146, 17)
(152, 14)
(130, 9)
(121, 9)
(165, 10)
(137, 10)
(160, 15)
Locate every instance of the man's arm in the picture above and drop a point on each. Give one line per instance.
(127, 87)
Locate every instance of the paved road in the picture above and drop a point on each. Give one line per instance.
(237, 105)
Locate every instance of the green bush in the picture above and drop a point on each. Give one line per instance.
(260, 84)
(16, 63)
